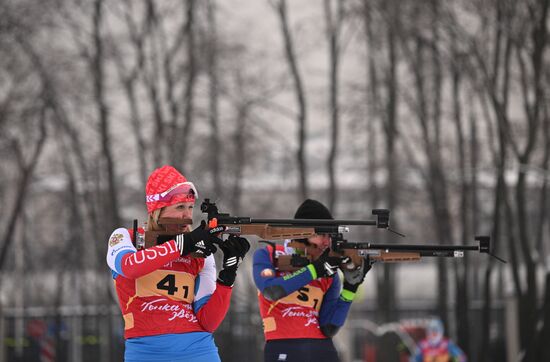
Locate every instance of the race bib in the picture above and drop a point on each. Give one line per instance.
(307, 296)
(439, 358)
(172, 284)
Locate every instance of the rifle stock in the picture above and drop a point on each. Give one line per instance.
(270, 232)
(152, 236)
(393, 256)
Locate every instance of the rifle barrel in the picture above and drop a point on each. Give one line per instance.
(408, 247)
(310, 222)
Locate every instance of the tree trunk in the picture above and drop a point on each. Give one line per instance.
(373, 100)
(151, 78)
(110, 208)
(299, 93)
(136, 122)
(63, 124)
(391, 133)
(240, 157)
(180, 148)
(386, 111)
(462, 266)
(26, 169)
(129, 79)
(333, 24)
(533, 97)
(541, 350)
(435, 182)
(214, 145)
(474, 194)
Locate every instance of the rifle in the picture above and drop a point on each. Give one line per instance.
(269, 229)
(386, 253)
(156, 237)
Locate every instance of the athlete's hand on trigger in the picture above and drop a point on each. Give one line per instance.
(327, 265)
(354, 278)
(201, 240)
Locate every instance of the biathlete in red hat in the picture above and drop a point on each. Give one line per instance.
(171, 302)
(303, 310)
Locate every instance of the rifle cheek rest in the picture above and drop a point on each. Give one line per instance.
(274, 292)
(330, 330)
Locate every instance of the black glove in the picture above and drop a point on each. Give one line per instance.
(234, 249)
(201, 240)
(354, 278)
(326, 265)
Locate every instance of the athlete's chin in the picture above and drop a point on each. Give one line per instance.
(315, 255)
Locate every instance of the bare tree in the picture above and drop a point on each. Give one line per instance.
(384, 90)
(151, 79)
(111, 208)
(461, 267)
(213, 113)
(333, 28)
(473, 76)
(181, 144)
(530, 58)
(422, 49)
(65, 127)
(24, 114)
(543, 334)
(129, 77)
(27, 161)
(373, 99)
(510, 50)
(299, 93)
(242, 110)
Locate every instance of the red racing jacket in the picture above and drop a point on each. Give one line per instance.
(298, 314)
(160, 292)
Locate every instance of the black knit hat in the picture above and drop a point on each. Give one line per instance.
(312, 209)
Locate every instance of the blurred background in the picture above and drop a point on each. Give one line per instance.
(437, 110)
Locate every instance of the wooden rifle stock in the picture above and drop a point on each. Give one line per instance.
(393, 256)
(269, 232)
(152, 236)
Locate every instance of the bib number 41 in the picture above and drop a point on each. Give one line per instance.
(168, 283)
(175, 285)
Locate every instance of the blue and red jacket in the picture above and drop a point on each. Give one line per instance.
(294, 305)
(167, 301)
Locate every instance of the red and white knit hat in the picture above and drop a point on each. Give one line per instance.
(166, 186)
